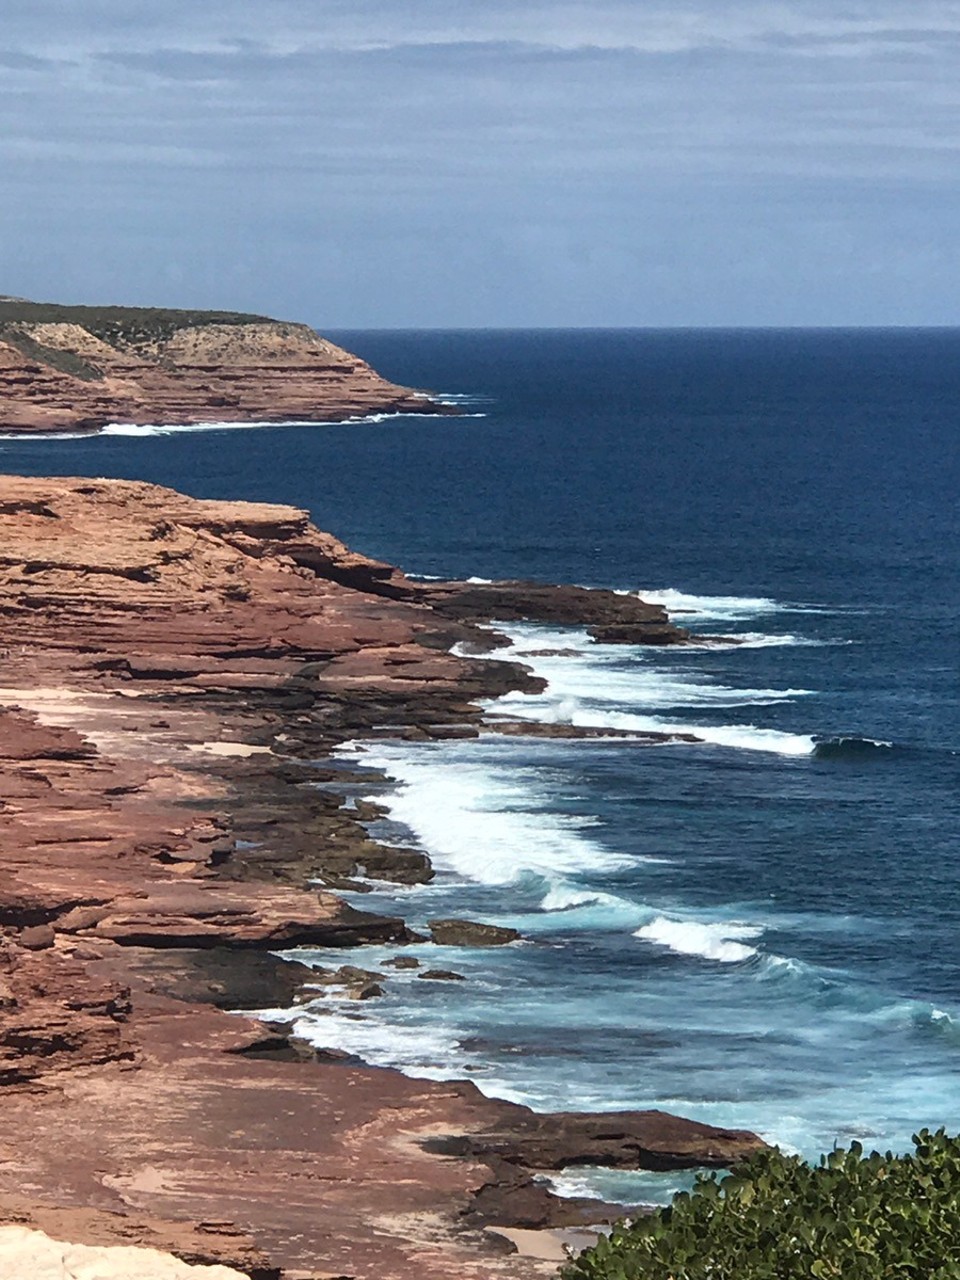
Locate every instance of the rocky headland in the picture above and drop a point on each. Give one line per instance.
(65, 369)
(173, 670)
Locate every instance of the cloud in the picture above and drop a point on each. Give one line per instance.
(302, 25)
(561, 153)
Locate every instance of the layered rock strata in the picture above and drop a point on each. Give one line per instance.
(611, 617)
(80, 368)
(167, 666)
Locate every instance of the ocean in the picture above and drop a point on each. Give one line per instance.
(762, 930)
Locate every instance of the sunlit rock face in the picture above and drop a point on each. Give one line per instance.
(81, 368)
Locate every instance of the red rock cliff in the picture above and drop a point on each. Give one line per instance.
(168, 667)
(79, 368)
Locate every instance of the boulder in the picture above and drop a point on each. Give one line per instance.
(369, 991)
(37, 937)
(470, 933)
(651, 1140)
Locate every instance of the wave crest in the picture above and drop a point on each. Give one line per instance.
(723, 941)
(710, 608)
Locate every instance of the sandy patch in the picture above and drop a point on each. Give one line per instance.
(31, 1255)
(53, 700)
(548, 1246)
(241, 750)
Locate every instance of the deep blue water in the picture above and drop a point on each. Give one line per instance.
(763, 930)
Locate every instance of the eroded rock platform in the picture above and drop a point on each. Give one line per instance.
(169, 667)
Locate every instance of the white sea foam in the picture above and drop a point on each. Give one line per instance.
(781, 967)
(574, 1186)
(21, 436)
(747, 737)
(722, 941)
(744, 737)
(759, 640)
(710, 608)
(425, 1051)
(388, 417)
(137, 429)
(621, 676)
(698, 608)
(649, 688)
(484, 820)
(909, 1014)
(534, 639)
(619, 1186)
(627, 688)
(568, 906)
(564, 896)
(460, 397)
(169, 429)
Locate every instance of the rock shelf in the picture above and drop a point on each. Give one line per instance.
(170, 668)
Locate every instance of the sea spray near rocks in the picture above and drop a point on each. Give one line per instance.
(764, 989)
(607, 686)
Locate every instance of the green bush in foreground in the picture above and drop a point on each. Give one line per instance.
(879, 1217)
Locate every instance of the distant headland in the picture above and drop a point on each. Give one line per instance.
(78, 368)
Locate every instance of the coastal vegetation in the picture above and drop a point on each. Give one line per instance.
(128, 327)
(851, 1216)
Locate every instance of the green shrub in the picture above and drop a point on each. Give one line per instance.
(119, 326)
(851, 1217)
(65, 361)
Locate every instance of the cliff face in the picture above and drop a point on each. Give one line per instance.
(172, 672)
(79, 368)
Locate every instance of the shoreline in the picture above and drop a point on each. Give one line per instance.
(168, 665)
(331, 418)
(75, 370)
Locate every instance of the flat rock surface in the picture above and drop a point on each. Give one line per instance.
(612, 617)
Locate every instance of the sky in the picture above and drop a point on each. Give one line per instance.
(462, 163)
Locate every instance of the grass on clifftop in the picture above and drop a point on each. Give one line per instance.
(851, 1217)
(120, 326)
(65, 361)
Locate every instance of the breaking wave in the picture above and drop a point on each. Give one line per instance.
(485, 819)
(711, 608)
(166, 429)
(136, 429)
(759, 640)
(627, 689)
(722, 941)
(416, 1050)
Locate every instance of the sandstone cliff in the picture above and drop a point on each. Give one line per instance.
(170, 669)
(79, 368)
